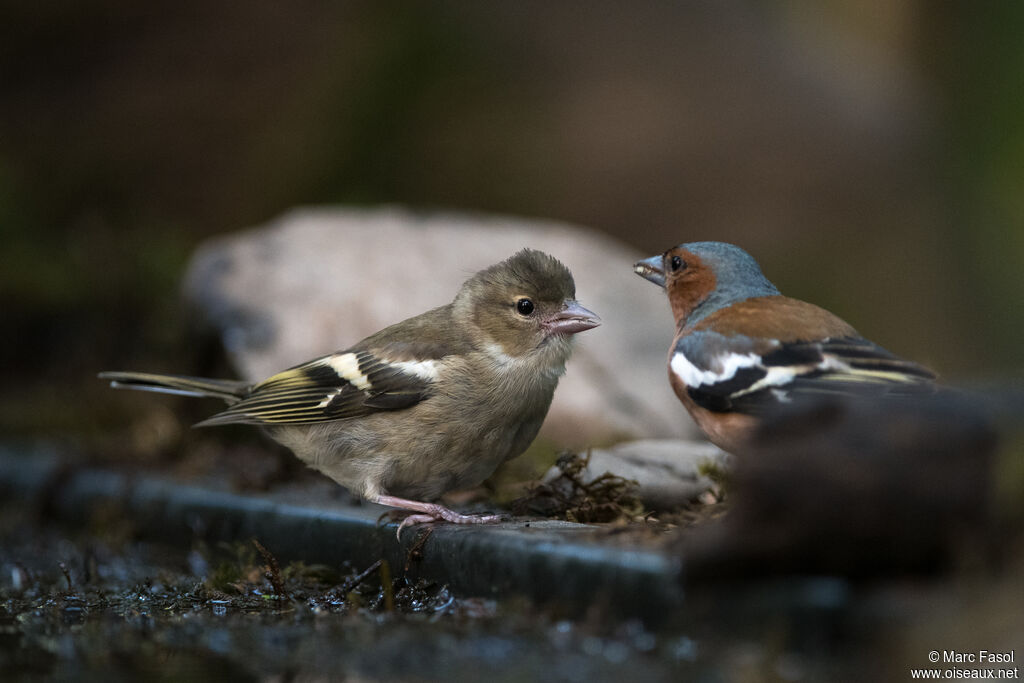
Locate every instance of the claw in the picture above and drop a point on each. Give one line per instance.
(412, 520)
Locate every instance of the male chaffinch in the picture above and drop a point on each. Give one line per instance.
(433, 403)
(742, 350)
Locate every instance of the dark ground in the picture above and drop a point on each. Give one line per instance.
(76, 606)
(93, 597)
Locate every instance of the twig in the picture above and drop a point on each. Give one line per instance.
(358, 579)
(416, 551)
(273, 572)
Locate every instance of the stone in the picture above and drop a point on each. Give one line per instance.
(667, 471)
(317, 280)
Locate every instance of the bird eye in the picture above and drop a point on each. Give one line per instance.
(676, 263)
(524, 306)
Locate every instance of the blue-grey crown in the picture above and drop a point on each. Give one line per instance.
(738, 275)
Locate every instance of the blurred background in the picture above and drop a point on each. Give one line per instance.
(870, 155)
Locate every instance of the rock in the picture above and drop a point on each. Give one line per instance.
(666, 470)
(317, 280)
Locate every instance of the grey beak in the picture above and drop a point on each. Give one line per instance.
(571, 319)
(651, 269)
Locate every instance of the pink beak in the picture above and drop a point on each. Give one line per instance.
(571, 319)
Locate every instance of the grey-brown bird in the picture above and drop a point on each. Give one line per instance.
(428, 405)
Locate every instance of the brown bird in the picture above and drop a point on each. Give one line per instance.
(742, 350)
(431, 404)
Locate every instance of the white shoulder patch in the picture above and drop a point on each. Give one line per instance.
(347, 367)
(692, 376)
(424, 369)
(775, 377)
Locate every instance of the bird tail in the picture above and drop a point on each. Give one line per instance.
(231, 391)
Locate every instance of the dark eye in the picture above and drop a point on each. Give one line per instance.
(524, 306)
(676, 263)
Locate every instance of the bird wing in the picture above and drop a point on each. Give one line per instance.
(751, 375)
(346, 384)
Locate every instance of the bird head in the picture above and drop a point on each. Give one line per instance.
(703, 277)
(524, 303)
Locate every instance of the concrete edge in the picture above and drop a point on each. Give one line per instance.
(546, 561)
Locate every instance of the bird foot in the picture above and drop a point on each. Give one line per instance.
(426, 513)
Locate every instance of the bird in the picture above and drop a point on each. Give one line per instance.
(742, 351)
(428, 405)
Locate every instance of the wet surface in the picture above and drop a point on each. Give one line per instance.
(116, 576)
(77, 608)
(542, 560)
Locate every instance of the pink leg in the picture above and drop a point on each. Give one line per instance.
(431, 512)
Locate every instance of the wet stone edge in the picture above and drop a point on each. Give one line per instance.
(549, 562)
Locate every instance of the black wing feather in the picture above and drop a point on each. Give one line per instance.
(843, 366)
(318, 391)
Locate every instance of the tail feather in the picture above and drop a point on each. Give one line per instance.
(226, 389)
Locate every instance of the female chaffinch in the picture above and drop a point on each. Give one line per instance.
(742, 350)
(430, 404)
